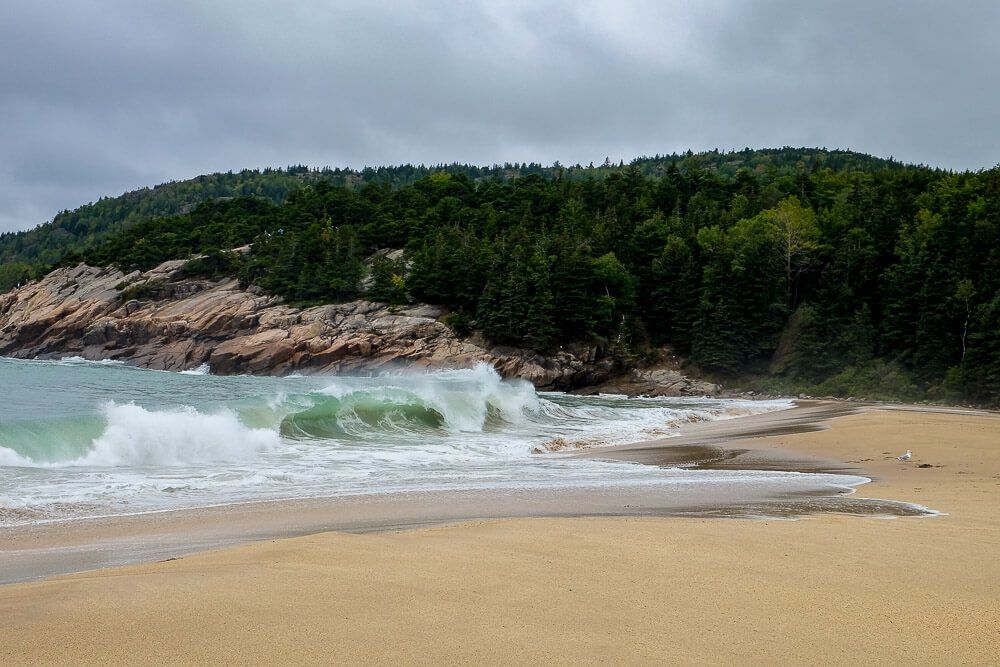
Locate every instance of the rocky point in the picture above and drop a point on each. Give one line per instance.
(160, 319)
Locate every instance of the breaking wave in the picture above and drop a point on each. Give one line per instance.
(122, 440)
(470, 401)
(472, 408)
(135, 436)
(462, 407)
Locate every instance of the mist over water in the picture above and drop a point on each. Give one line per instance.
(85, 439)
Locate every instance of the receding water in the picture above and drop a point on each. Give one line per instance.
(84, 439)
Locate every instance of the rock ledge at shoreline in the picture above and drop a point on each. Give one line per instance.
(177, 323)
(163, 320)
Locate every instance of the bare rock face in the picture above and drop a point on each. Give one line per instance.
(655, 382)
(160, 320)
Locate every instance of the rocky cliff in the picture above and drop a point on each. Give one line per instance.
(162, 320)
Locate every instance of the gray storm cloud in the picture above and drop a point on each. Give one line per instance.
(102, 96)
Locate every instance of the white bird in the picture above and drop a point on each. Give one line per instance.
(905, 457)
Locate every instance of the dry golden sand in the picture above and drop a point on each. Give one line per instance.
(831, 589)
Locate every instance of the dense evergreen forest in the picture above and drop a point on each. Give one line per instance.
(32, 253)
(794, 269)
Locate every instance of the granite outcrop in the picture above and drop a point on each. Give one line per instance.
(164, 320)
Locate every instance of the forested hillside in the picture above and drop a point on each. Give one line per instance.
(31, 253)
(823, 272)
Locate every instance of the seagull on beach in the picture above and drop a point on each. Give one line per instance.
(905, 457)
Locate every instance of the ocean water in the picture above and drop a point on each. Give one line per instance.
(83, 439)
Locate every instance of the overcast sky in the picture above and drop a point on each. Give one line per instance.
(98, 97)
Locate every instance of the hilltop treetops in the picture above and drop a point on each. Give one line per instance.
(842, 274)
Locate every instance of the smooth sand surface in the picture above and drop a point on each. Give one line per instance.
(825, 589)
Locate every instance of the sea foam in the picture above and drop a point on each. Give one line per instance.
(122, 440)
(136, 436)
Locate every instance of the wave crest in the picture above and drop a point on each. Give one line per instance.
(135, 436)
(470, 400)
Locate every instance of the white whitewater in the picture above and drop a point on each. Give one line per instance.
(83, 439)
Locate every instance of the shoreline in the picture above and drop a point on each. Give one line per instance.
(36, 551)
(637, 589)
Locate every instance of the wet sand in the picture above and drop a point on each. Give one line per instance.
(41, 550)
(827, 588)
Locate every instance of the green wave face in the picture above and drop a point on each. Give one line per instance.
(361, 412)
(51, 440)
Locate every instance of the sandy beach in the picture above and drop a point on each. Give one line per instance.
(827, 588)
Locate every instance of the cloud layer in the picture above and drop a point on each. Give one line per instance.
(102, 96)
